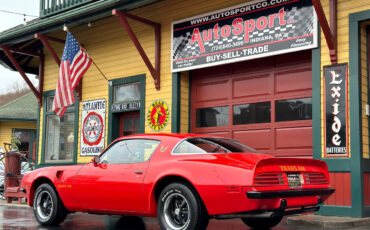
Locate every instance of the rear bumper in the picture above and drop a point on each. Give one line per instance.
(281, 211)
(289, 193)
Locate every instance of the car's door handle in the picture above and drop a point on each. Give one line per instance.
(139, 172)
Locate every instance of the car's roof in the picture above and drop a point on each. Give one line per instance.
(165, 135)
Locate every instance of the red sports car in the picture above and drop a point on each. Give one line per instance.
(184, 179)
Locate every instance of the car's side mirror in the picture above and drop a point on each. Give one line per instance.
(95, 161)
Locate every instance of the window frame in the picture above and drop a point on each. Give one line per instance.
(123, 85)
(46, 113)
(117, 141)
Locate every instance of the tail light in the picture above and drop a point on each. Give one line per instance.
(291, 179)
(315, 178)
(267, 179)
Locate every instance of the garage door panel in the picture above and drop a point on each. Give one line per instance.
(212, 91)
(219, 134)
(248, 67)
(294, 59)
(294, 138)
(269, 101)
(297, 80)
(252, 86)
(258, 139)
(301, 152)
(216, 72)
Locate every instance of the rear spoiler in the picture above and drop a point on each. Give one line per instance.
(291, 164)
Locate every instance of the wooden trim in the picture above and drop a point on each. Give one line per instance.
(113, 119)
(176, 102)
(316, 100)
(357, 162)
(329, 31)
(155, 71)
(45, 41)
(7, 51)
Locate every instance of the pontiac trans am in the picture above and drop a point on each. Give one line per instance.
(183, 179)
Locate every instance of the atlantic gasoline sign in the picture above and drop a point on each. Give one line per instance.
(93, 127)
(158, 115)
(242, 32)
(336, 110)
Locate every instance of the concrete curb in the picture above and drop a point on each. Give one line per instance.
(326, 222)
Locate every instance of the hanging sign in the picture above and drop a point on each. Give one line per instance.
(93, 127)
(158, 115)
(242, 32)
(125, 106)
(336, 110)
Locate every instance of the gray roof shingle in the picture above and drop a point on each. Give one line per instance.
(23, 109)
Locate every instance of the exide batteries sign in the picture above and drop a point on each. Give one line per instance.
(247, 31)
(336, 110)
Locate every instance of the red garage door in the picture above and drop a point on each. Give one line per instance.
(264, 103)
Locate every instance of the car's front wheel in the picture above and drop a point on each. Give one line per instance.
(47, 206)
(179, 208)
(262, 223)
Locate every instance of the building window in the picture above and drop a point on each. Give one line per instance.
(59, 134)
(252, 113)
(211, 117)
(127, 92)
(294, 109)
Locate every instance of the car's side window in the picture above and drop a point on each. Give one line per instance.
(129, 151)
(187, 147)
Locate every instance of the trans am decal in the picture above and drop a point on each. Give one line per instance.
(158, 115)
(93, 127)
(247, 31)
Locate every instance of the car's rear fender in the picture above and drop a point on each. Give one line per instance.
(210, 182)
(162, 183)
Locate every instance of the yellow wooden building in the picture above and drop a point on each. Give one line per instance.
(18, 118)
(286, 77)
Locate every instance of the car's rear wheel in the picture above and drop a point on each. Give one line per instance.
(262, 223)
(48, 207)
(180, 208)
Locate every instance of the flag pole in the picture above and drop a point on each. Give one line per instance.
(65, 28)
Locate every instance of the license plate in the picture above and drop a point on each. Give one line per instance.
(294, 180)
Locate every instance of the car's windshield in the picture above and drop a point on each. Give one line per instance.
(211, 145)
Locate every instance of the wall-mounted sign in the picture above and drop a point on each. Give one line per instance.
(246, 31)
(158, 115)
(336, 110)
(125, 106)
(93, 127)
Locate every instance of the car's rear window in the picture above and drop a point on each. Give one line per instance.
(211, 145)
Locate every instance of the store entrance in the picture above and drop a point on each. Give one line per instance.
(129, 123)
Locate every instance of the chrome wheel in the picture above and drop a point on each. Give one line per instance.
(176, 211)
(44, 205)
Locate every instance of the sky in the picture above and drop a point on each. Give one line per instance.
(7, 20)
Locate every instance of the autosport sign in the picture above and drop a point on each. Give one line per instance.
(336, 110)
(246, 31)
(93, 127)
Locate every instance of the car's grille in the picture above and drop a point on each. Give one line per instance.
(315, 178)
(263, 179)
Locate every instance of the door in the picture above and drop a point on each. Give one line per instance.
(129, 123)
(264, 103)
(115, 184)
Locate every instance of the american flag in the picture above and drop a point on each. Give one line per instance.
(74, 64)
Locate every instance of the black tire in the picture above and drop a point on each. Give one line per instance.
(180, 208)
(48, 207)
(262, 223)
